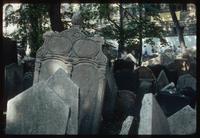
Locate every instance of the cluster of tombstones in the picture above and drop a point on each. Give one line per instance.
(159, 102)
(75, 91)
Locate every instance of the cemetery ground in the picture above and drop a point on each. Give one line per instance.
(73, 88)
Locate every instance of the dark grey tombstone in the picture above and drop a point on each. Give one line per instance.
(13, 80)
(183, 122)
(126, 126)
(27, 80)
(110, 96)
(186, 80)
(38, 110)
(162, 80)
(68, 91)
(152, 118)
(83, 59)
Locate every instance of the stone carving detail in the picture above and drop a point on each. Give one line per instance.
(82, 58)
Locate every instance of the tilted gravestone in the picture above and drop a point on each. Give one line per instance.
(152, 119)
(126, 126)
(83, 59)
(162, 80)
(38, 110)
(186, 80)
(13, 80)
(183, 122)
(68, 91)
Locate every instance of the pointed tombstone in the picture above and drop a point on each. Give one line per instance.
(183, 122)
(152, 118)
(162, 80)
(126, 125)
(38, 110)
(68, 91)
(186, 80)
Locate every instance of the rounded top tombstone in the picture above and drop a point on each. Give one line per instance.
(77, 18)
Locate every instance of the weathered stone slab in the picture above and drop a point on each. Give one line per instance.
(27, 80)
(38, 110)
(162, 80)
(186, 80)
(152, 118)
(68, 91)
(13, 80)
(183, 122)
(126, 125)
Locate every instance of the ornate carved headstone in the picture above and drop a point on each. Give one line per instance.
(82, 58)
(152, 118)
(38, 110)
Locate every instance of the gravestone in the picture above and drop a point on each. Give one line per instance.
(82, 58)
(13, 80)
(110, 96)
(167, 57)
(152, 118)
(38, 110)
(69, 93)
(27, 80)
(162, 80)
(186, 80)
(145, 73)
(183, 122)
(126, 125)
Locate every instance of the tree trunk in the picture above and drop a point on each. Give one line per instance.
(140, 35)
(179, 29)
(121, 34)
(55, 16)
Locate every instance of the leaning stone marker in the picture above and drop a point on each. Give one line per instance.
(126, 125)
(152, 118)
(69, 93)
(38, 110)
(183, 122)
(162, 80)
(186, 80)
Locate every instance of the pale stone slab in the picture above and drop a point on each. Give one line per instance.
(162, 80)
(183, 122)
(38, 110)
(126, 125)
(152, 118)
(186, 80)
(68, 91)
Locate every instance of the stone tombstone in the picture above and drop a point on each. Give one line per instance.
(27, 80)
(162, 80)
(145, 73)
(183, 122)
(110, 95)
(186, 80)
(126, 126)
(38, 110)
(167, 57)
(13, 80)
(68, 91)
(152, 118)
(82, 58)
